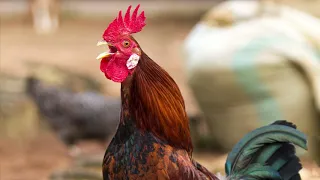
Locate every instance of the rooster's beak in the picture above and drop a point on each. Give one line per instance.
(102, 42)
(104, 54)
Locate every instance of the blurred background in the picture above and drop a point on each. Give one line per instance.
(239, 64)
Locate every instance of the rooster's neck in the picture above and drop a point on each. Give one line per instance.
(125, 118)
(126, 125)
(152, 102)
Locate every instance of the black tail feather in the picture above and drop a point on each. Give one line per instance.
(296, 177)
(284, 153)
(290, 169)
(285, 123)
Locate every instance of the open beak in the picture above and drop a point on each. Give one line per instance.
(104, 54)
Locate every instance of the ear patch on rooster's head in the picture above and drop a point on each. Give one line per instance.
(128, 25)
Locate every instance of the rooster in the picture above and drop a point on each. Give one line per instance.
(153, 137)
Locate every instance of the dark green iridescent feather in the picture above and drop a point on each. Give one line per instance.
(267, 153)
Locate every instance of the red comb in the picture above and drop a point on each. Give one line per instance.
(128, 25)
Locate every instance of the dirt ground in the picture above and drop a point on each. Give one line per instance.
(74, 47)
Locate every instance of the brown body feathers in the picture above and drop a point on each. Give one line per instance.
(157, 105)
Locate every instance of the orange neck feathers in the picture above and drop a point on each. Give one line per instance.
(157, 106)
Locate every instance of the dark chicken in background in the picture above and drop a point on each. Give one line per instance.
(75, 116)
(153, 137)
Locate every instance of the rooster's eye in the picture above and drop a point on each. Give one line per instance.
(126, 44)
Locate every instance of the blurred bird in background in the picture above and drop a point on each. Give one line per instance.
(75, 116)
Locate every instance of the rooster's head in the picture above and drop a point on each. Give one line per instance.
(124, 52)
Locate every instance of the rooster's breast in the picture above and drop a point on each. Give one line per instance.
(141, 156)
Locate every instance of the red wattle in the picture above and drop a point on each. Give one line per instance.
(115, 70)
